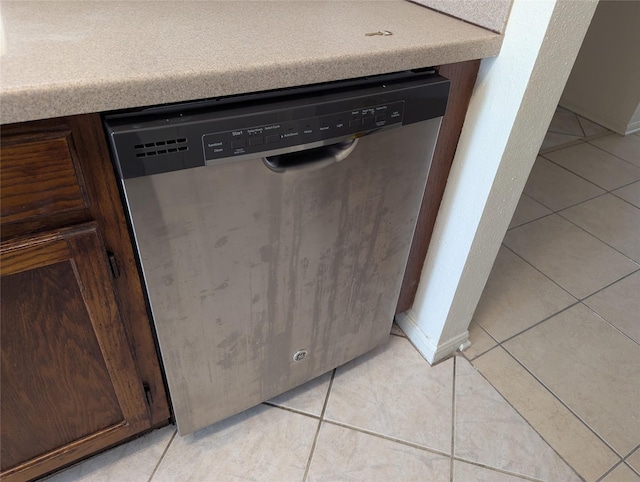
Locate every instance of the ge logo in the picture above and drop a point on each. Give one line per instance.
(299, 355)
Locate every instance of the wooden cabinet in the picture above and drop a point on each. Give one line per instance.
(79, 368)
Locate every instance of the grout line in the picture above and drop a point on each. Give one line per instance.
(527, 421)
(453, 417)
(611, 153)
(626, 460)
(499, 470)
(313, 448)
(315, 438)
(575, 174)
(623, 185)
(556, 211)
(610, 284)
(554, 395)
(598, 135)
(596, 237)
(608, 322)
(613, 193)
(482, 354)
(292, 410)
(536, 219)
(164, 452)
(542, 273)
(584, 134)
(613, 467)
(631, 452)
(500, 343)
(463, 353)
(587, 180)
(326, 398)
(558, 147)
(387, 437)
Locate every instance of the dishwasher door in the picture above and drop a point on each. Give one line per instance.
(264, 273)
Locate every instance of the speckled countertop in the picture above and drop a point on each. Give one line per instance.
(64, 57)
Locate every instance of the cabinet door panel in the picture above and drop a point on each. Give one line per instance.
(52, 369)
(67, 370)
(39, 178)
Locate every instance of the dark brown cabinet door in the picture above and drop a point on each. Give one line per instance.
(69, 385)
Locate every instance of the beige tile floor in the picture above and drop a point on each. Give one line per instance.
(549, 390)
(557, 330)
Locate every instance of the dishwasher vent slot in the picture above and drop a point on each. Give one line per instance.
(168, 146)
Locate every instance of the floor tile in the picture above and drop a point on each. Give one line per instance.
(308, 398)
(132, 461)
(464, 472)
(591, 367)
(622, 473)
(634, 460)
(611, 220)
(528, 209)
(553, 139)
(344, 454)
(565, 122)
(556, 188)
(595, 165)
(625, 147)
(516, 297)
(480, 341)
(262, 443)
(591, 128)
(574, 259)
(393, 391)
(575, 443)
(630, 193)
(490, 432)
(619, 304)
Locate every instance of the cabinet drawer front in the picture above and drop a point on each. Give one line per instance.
(39, 177)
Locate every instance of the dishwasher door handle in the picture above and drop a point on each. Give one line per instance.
(315, 158)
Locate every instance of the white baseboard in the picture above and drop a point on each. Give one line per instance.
(633, 128)
(433, 353)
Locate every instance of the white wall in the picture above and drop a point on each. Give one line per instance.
(513, 101)
(604, 85)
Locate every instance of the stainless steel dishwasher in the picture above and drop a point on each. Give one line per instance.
(273, 229)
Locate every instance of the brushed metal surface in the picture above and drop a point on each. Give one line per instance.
(245, 267)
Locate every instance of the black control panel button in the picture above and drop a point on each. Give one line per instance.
(272, 138)
(238, 144)
(256, 141)
(368, 122)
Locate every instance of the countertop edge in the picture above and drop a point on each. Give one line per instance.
(65, 99)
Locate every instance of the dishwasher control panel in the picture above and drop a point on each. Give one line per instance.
(158, 139)
(300, 132)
